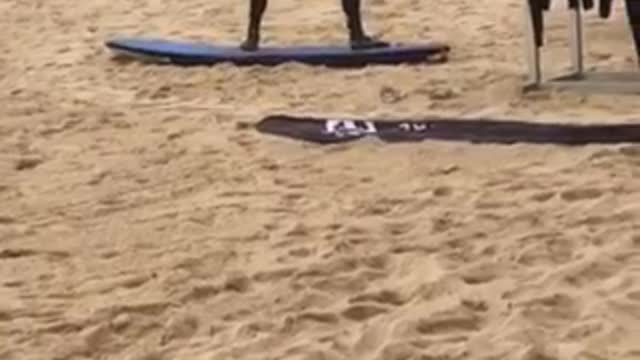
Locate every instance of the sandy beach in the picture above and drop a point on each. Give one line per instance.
(139, 221)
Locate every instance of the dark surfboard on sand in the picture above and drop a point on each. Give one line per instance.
(199, 53)
(328, 130)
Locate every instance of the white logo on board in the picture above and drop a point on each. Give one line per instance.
(349, 127)
(418, 127)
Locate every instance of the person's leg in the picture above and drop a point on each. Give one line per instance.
(633, 14)
(256, 12)
(357, 36)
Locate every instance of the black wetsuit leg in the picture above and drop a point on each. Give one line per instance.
(256, 12)
(357, 36)
(536, 8)
(633, 14)
(585, 4)
(605, 8)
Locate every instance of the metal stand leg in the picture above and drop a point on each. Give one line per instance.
(577, 41)
(579, 79)
(532, 51)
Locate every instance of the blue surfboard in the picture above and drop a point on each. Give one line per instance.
(198, 53)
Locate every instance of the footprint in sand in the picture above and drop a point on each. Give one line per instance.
(449, 322)
(20, 253)
(397, 229)
(443, 223)
(329, 318)
(399, 351)
(377, 262)
(442, 191)
(302, 252)
(252, 329)
(478, 274)
(28, 163)
(7, 220)
(236, 282)
(453, 324)
(635, 240)
(364, 311)
(344, 283)
(632, 151)
(544, 249)
(557, 308)
(441, 335)
(543, 196)
(337, 266)
(98, 339)
(179, 327)
(384, 297)
(583, 330)
(274, 275)
(581, 194)
(586, 273)
(16, 253)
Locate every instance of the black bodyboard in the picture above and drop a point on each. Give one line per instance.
(326, 130)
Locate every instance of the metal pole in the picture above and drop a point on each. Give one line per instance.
(577, 41)
(532, 50)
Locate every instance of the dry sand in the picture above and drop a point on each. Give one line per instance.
(139, 222)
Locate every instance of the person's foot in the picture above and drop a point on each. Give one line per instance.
(250, 44)
(367, 42)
